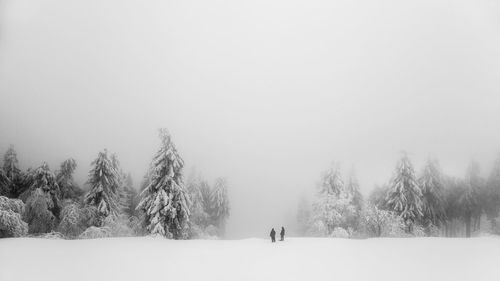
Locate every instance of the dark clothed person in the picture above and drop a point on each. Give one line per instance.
(273, 235)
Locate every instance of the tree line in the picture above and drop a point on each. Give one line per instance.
(39, 202)
(428, 203)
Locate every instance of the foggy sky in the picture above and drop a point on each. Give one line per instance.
(266, 93)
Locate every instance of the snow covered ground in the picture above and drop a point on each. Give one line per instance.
(251, 259)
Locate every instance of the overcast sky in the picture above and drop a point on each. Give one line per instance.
(266, 92)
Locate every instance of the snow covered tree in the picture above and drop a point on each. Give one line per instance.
(64, 177)
(121, 188)
(454, 189)
(11, 224)
(206, 195)
(199, 217)
(468, 199)
(382, 223)
(42, 204)
(220, 204)
(378, 196)
(433, 201)
(492, 198)
(12, 172)
(404, 195)
(104, 183)
(165, 201)
(71, 223)
(130, 195)
(353, 190)
(332, 183)
(333, 206)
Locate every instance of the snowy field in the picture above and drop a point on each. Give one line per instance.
(136, 259)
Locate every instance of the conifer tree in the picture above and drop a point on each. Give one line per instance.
(206, 196)
(12, 172)
(165, 201)
(404, 195)
(492, 202)
(353, 190)
(42, 204)
(220, 204)
(332, 183)
(469, 197)
(104, 182)
(130, 195)
(333, 206)
(67, 185)
(121, 188)
(433, 201)
(11, 164)
(199, 217)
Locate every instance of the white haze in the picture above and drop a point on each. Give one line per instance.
(265, 93)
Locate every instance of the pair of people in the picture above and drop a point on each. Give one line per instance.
(273, 235)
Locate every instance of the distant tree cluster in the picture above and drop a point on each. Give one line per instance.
(209, 206)
(429, 203)
(39, 202)
(336, 210)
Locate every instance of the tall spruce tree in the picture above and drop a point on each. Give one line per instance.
(165, 201)
(404, 195)
(121, 188)
(433, 201)
(104, 183)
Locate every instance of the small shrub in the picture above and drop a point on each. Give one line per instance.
(11, 224)
(94, 232)
(339, 232)
(15, 205)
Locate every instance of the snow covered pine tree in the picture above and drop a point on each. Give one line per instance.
(432, 186)
(404, 195)
(104, 182)
(220, 204)
(165, 200)
(64, 177)
(12, 172)
(42, 204)
(333, 206)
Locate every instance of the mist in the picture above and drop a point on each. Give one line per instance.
(264, 93)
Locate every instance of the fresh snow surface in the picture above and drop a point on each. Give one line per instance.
(137, 259)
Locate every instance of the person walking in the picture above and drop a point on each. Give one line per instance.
(282, 234)
(273, 235)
